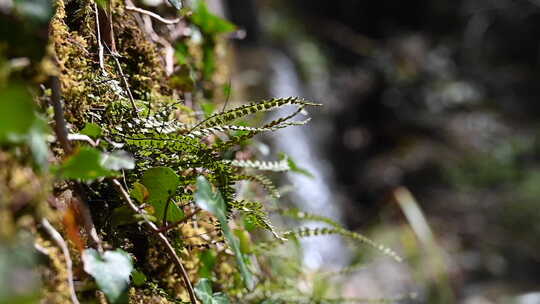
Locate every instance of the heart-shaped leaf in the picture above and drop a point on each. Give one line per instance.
(162, 183)
(111, 272)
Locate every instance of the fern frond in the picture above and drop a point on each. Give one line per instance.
(173, 142)
(254, 211)
(227, 128)
(319, 231)
(263, 106)
(301, 215)
(277, 166)
(264, 181)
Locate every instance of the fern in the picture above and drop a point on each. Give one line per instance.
(263, 106)
(277, 166)
(255, 213)
(267, 184)
(301, 215)
(319, 231)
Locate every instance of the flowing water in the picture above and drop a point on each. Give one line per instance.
(313, 195)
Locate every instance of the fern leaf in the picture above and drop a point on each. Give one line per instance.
(263, 106)
(309, 232)
(227, 128)
(277, 166)
(267, 184)
(255, 212)
(301, 215)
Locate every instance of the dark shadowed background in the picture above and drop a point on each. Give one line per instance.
(439, 98)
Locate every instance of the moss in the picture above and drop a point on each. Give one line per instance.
(54, 277)
(87, 88)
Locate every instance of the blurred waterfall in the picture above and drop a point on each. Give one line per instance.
(313, 195)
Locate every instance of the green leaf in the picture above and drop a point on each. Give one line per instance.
(176, 3)
(17, 115)
(86, 164)
(118, 160)
(19, 123)
(294, 167)
(203, 290)
(162, 183)
(209, 200)
(208, 261)
(111, 272)
(209, 23)
(138, 278)
(213, 202)
(92, 130)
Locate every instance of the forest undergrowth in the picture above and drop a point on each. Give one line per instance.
(124, 174)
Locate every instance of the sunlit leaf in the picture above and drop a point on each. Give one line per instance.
(92, 130)
(213, 202)
(111, 272)
(161, 183)
(203, 290)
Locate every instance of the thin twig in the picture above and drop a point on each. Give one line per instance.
(126, 84)
(153, 15)
(162, 237)
(62, 135)
(227, 97)
(57, 237)
(59, 121)
(100, 45)
(175, 224)
(111, 27)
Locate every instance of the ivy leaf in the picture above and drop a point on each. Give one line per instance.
(209, 23)
(161, 183)
(92, 130)
(111, 272)
(213, 202)
(203, 290)
(118, 160)
(176, 3)
(86, 164)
